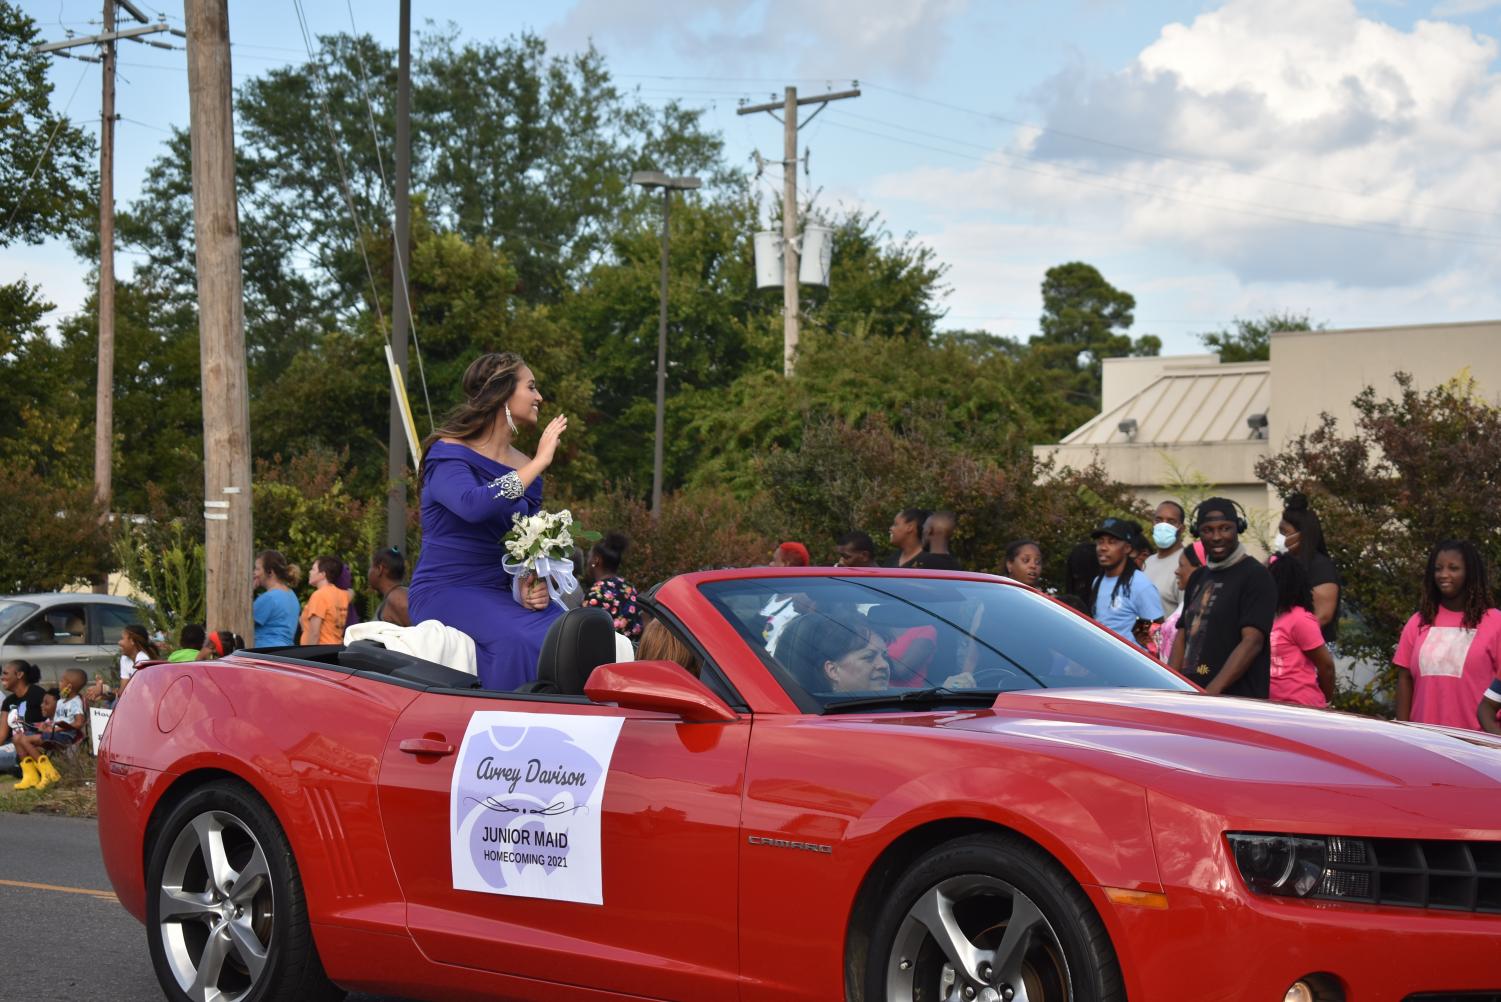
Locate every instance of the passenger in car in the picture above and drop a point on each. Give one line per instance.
(658, 643)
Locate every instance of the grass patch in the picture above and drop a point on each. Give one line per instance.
(73, 796)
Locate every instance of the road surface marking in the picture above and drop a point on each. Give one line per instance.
(101, 895)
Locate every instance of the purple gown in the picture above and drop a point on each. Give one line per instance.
(459, 580)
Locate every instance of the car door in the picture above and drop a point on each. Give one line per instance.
(663, 863)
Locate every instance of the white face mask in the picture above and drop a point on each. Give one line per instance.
(1279, 544)
(1164, 535)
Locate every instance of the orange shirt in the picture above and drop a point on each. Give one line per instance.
(329, 603)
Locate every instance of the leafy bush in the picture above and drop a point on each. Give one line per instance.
(165, 563)
(844, 477)
(54, 533)
(1419, 467)
(304, 508)
(698, 529)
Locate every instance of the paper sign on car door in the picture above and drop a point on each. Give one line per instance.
(525, 804)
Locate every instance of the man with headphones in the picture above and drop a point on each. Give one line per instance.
(1223, 635)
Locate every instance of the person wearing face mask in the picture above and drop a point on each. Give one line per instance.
(1162, 566)
(1302, 535)
(1450, 649)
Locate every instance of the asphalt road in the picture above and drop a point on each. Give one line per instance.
(85, 945)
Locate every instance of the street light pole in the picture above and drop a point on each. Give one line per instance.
(656, 179)
(656, 460)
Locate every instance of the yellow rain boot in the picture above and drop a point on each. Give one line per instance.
(48, 770)
(31, 776)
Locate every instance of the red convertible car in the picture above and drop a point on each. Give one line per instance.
(851, 784)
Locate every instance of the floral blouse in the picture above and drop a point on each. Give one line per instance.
(616, 596)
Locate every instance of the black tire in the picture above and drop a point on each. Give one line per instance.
(980, 886)
(243, 933)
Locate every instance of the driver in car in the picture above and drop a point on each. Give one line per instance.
(835, 653)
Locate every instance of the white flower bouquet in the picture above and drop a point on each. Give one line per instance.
(541, 546)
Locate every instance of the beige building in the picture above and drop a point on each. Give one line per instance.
(1189, 419)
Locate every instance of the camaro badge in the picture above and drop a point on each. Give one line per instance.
(782, 843)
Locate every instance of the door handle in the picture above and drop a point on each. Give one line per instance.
(425, 746)
(83, 657)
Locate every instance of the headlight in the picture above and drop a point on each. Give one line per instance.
(1287, 865)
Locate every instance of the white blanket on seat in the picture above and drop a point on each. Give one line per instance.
(429, 640)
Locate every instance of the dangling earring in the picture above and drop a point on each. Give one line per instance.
(509, 423)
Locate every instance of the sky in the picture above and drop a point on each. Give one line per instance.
(1216, 160)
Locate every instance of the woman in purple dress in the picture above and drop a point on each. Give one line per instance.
(473, 481)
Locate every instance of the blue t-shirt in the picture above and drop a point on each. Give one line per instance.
(276, 611)
(1494, 692)
(1119, 612)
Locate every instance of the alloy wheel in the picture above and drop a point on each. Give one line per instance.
(216, 907)
(976, 938)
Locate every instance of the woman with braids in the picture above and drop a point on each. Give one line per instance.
(1451, 648)
(473, 480)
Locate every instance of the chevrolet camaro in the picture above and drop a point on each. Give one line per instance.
(849, 784)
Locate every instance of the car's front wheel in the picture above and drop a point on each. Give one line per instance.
(990, 918)
(226, 920)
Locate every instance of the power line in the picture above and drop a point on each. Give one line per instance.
(359, 225)
(1176, 157)
(1168, 193)
(1466, 234)
(400, 251)
(61, 121)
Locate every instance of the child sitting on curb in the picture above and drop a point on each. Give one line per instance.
(65, 728)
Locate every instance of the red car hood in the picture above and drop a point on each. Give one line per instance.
(1235, 739)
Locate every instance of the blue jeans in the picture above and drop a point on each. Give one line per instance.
(7, 758)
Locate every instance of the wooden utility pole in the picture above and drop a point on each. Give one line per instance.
(790, 251)
(221, 321)
(104, 397)
(396, 465)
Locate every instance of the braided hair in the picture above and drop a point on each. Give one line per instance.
(489, 382)
(1475, 597)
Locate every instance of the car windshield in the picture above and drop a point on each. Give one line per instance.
(12, 612)
(855, 642)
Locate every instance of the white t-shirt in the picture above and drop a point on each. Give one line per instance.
(68, 710)
(128, 666)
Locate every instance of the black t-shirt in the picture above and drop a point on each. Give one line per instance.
(1216, 606)
(32, 713)
(1321, 571)
(937, 562)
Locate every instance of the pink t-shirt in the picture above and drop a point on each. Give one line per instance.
(1450, 666)
(1295, 678)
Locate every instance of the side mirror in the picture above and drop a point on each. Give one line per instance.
(663, 686)
(29, 637)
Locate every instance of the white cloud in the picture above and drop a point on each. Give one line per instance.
(1285, 140)
(812, 38)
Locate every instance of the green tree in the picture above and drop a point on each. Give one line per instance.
(334, 395)
(1250, 340)
(46, 174)
(725, 336)
(1084, 321)
(54, 535)
(1417, 467)
(842, 477)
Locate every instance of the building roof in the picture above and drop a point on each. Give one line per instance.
(1185, 405)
